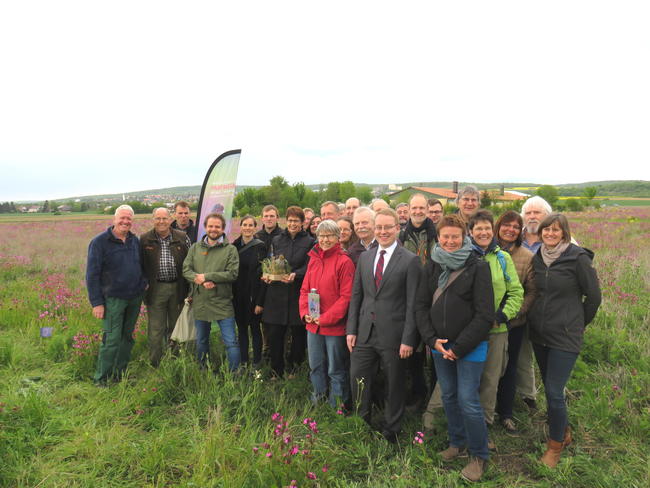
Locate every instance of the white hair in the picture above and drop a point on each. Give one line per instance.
(328, 226)
(367, 210)
(124, 207)
(536, 201)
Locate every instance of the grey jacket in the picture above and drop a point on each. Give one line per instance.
(389, 309)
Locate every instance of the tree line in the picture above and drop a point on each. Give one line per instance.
(281, 194)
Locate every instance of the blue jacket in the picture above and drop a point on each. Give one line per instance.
(114, 268)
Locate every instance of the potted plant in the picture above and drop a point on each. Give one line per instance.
(276, 268)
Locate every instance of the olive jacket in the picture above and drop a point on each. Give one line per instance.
(220, 264)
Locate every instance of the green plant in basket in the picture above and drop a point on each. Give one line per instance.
(275, 268)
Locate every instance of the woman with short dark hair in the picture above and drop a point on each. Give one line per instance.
(454, 312)
(280, 298)
(568, 297)
(246, 290)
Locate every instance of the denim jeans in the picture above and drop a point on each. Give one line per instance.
(329, 358)
(555, 367)
(459, 383)
(228, 335)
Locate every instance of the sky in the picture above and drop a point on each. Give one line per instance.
(110, 97)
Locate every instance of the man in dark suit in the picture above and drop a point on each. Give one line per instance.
(381, 323)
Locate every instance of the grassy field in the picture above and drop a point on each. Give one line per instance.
(176, 426)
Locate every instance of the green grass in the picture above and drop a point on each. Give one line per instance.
(177, 426)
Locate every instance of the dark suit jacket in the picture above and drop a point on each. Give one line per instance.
(389, 309)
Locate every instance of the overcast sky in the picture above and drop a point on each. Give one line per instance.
(108, 97)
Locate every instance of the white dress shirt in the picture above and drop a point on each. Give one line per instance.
(389, 252)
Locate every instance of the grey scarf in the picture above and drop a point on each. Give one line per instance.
(550, 254)
(451, 261)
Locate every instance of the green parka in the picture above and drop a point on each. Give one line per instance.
(508, 293)
(220, 264)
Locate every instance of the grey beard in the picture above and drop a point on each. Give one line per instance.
(532, 228)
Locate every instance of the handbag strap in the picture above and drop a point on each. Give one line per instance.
(452, 277)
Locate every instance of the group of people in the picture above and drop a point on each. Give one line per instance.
(393, 288)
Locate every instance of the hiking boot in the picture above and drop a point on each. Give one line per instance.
(568, 438)
(451, 453)
(509, 425)
(474, 469)
(552, 455)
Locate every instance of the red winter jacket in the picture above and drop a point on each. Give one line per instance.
(331, 272)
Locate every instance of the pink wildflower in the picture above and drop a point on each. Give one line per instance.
(311, 475)
(256, 450)
(269, 454)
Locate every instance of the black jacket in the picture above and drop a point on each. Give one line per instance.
(559, 315)
(464, 313)
(190, 230)
(281, 299)
(246, 290)
(267, 237)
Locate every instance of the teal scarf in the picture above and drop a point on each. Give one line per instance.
(451, 261)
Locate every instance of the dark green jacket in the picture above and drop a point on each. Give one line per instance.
(220, 264)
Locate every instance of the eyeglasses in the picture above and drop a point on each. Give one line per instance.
(327, 236)
(467, 200)
(436, 212)
(379, 228)
(293, 221)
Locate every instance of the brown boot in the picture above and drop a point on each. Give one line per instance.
(451, 453)
(568, 438)
(552, 455)
(474, 469)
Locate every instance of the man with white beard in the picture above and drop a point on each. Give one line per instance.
(533, 211)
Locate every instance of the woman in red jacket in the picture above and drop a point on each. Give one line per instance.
(330, 272)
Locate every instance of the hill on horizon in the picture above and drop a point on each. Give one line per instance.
(622, 188)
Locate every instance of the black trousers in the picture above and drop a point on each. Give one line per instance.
(363, 370)
(276, 338)
(508, 382)
(249, 322)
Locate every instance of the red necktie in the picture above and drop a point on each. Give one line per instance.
(379, 271)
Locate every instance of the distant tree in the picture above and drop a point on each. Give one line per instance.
(574, 204)
(332, 191)
(486, 199)
(590, 192)
(299, 190)
(548, 193)
(46, 206)
(347, 190)
(364, 193)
